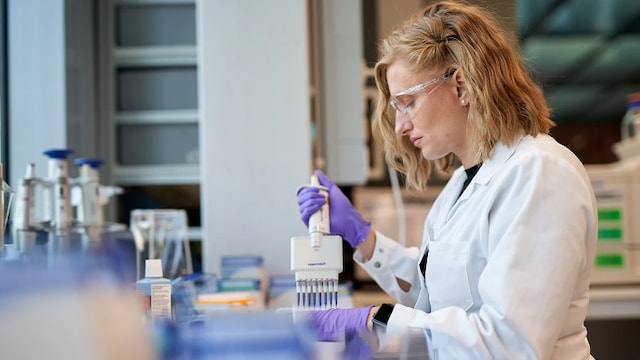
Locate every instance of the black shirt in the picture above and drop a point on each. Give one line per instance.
(471, 172)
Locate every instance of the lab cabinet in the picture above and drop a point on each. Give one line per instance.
(152, 75)
(153, 72)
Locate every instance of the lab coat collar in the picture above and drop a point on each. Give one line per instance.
(501, 153)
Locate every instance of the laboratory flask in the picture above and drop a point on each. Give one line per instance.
(162, 234)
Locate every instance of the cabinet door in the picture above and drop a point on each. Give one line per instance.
(154, 108)
(155, 92)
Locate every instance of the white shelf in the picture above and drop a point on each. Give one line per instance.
(161, 56)
(157, 174)
(153, 2)
(194, 233)
(154, 117)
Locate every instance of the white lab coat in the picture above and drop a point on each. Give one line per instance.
(509, 261)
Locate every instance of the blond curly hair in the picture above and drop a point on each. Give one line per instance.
(505, 103)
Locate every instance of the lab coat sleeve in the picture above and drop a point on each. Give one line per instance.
(538, 226)
(391, 261)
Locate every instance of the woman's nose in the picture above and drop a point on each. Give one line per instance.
(403, 123)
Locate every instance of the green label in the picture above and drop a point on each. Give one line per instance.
(614, 234)
(609, 260)
(609, 214)
(224, 288)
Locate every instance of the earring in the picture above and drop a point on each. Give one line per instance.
(463, 102)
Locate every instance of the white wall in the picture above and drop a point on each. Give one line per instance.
(36, 36)
(343, 123)
(254, 127)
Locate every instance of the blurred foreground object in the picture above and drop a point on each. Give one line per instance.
(70, 310)
(241, 335)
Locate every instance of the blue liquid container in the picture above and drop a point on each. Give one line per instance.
(155, 291)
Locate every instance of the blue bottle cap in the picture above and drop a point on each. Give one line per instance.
(94, 163)
(58, 153)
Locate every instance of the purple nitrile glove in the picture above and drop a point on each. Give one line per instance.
(332, 324)
(344, 219)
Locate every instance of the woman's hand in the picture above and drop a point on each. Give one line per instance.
(344, 219)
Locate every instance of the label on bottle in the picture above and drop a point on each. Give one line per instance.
(161, 300)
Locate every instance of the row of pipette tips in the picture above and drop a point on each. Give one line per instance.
(317, 294)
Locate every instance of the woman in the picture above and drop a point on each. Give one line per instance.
(509, 243)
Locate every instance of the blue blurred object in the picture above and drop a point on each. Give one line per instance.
(186, 290)
(244, 266)
(68, 307)
(72, 270)
(238, 335)
(357, 346)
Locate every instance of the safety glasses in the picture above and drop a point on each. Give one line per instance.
(404, 101)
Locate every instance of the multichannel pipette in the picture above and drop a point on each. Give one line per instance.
(317, 260)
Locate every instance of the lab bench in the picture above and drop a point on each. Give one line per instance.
(614, 302)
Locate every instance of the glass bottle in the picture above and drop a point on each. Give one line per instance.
(630, 126)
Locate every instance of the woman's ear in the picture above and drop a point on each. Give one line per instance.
(461, 87)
